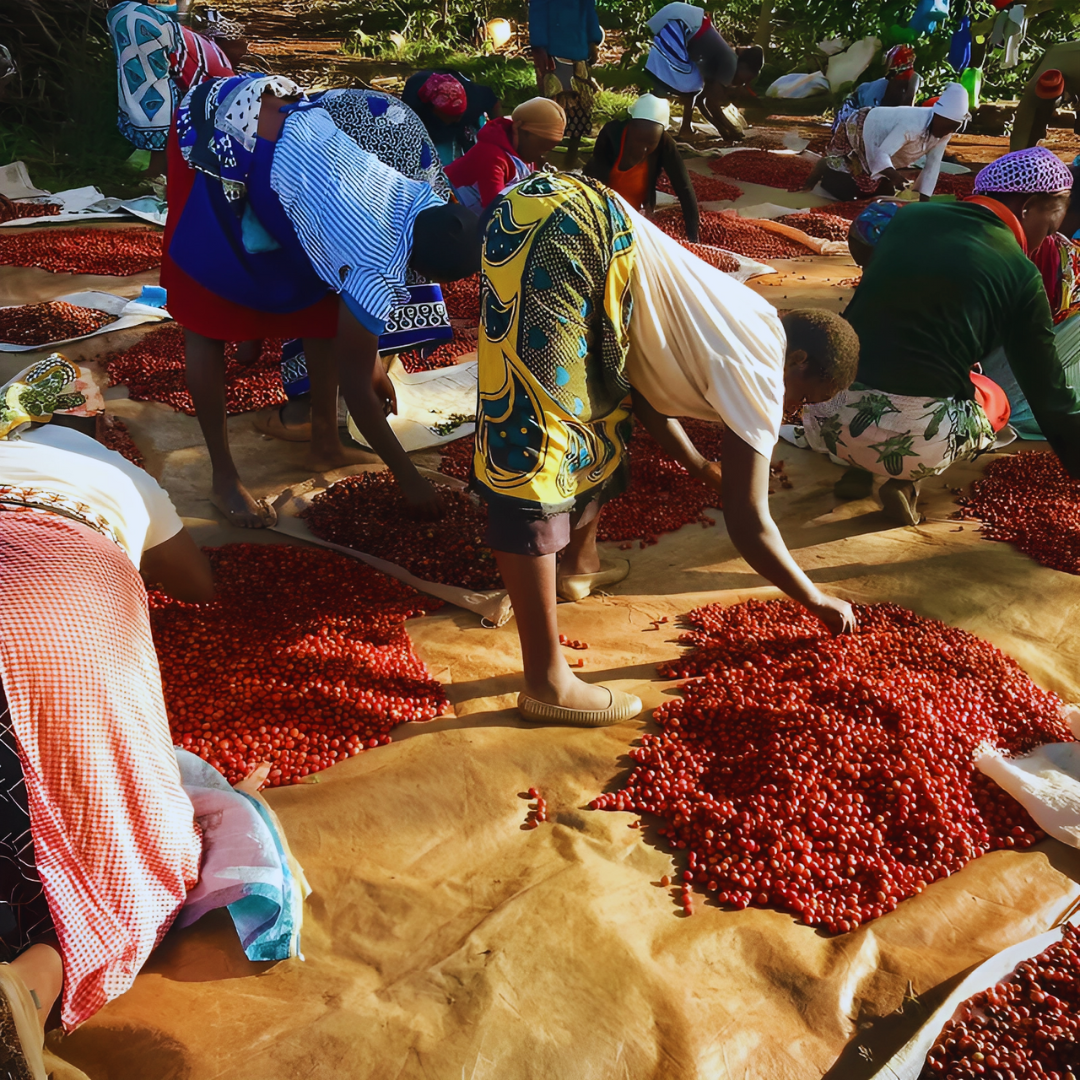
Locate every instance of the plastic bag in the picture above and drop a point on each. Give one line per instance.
(928, 15)
(799, 86)
(960, 47)
(971, 81)
(849, 65)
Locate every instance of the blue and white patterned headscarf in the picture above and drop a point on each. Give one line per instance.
(218, 121)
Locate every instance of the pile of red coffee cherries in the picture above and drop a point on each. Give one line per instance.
(16, 211)
(733, 233)
(706, 188)
(713, 256)
(662, 495)
(1027, 1027)
(368, 513)
(53, 320)
(462, 298)
(1030, 501)
(850, 209)
(112, 432)
(153, 370)
(823, 226)
(302, 660)
(785, 171)
(954, 184)
(116, 252)
(833, 777)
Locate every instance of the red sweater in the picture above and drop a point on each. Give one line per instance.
(487, 166)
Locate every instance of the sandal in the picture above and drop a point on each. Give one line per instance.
(898, 498)
(622, 707)
(576, 587)
(21, 1036)
(268, 422)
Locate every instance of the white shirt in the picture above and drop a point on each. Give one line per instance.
(702, 344)
(60, 461)
(897, 137)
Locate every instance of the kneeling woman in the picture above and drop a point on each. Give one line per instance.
(583, 299)
(98, 843)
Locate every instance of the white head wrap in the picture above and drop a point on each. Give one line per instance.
(648, 107)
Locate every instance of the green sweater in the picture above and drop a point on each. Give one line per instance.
(948, 283)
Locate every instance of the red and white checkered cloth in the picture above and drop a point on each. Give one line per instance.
(115, 840)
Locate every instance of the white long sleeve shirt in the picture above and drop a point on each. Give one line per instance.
(897, 137)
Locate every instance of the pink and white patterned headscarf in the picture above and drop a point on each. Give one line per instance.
(1027, 172)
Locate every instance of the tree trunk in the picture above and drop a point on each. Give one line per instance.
(764, 26)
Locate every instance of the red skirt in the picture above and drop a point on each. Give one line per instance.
(198, 309)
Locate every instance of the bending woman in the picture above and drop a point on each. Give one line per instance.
(288, 229)
(507, 150)
(584, 299)
(948, 283)
(98, 844)
(871, 146)
(630, 155)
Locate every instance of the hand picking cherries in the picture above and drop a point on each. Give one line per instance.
(1027, 1027)
(1030, 501)
(115, 252)
(368, 513)
(832, 776)
(153, 370)
(302, 660)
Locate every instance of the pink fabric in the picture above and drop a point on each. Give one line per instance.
(196, 59)
(487, 164)
(115, 840)
(445, 95)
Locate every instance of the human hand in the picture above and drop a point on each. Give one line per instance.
(385, 389)
(709, 473)
(838, 615)
(425, 503)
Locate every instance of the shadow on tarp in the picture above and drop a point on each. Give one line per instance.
(883, 1037)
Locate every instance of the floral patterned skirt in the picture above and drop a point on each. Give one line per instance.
(846, 152)
(893, 435)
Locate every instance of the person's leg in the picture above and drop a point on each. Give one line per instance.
(326, 452)
(157, 163)
(573, 153)
(580, 555)
(898, 499)
(841, 185)
(686, 131)
(205, 360)
(530, 581)
(42, 970)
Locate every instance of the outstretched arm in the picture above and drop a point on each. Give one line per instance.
(757, 539)
(180, 568)
(673, 440)
(360, 373)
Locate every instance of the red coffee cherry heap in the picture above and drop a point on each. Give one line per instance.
(1027, 1027)
(15, 211)
(302, 660)
(850, 209)
(462, 298)
(1029, 500)
(833, 777)
(116, 252)
(785, 171)
(823, 226)
(444, 356)
(54, 320)
(368, 513)
(112, 432)
(153, 370)
(706, 188)
(733, 233)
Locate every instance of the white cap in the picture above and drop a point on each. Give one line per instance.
(649, 107)
(953, 103)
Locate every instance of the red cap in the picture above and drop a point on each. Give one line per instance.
(1051, 85)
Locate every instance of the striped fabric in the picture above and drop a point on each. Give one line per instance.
(353, 214)
(669, 59)
(196, 58)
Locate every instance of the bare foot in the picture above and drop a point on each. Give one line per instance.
(272, 423)
(572, 693)
(240, 507)
(340, 458)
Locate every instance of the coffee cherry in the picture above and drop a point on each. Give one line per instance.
(116, 252)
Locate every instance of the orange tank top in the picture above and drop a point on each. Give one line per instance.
(632, 184)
